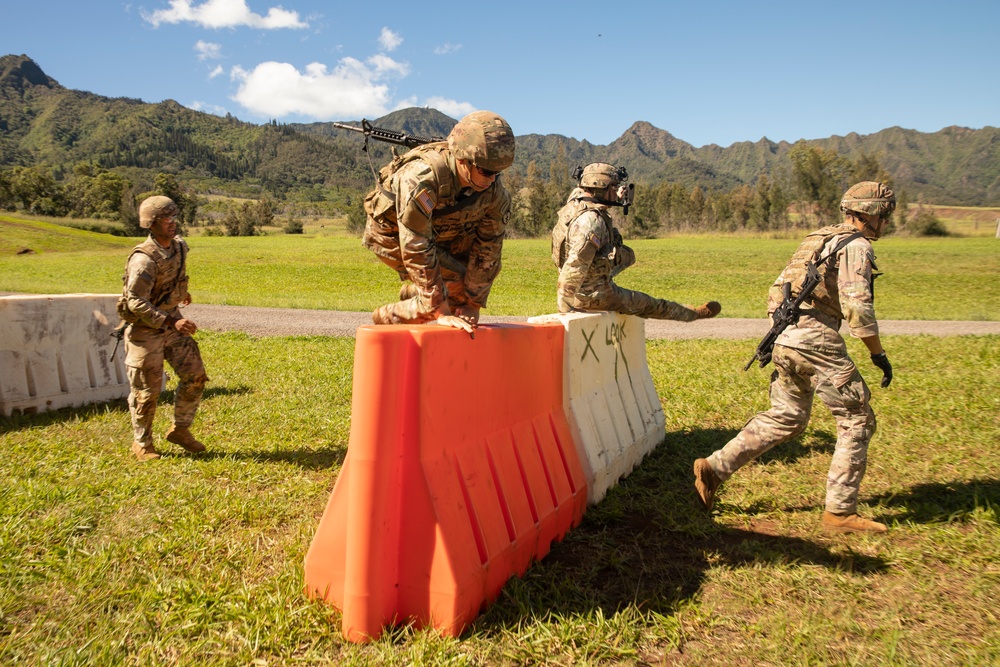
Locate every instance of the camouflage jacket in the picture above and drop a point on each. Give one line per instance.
(419, 213)
(586, 247)
(845, 292)
(156, 281)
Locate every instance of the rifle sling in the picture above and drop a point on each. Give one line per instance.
(837, 248)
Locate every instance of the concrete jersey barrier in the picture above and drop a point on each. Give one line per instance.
(55, 352)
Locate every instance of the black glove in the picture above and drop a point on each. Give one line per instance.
(882, 362)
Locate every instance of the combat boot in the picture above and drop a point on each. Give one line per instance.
(850, 523)
(383, 315)
(181, 435)
(705, 482)
(707, 310)
(144, 452)
(408, 291)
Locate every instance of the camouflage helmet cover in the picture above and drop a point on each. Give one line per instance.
(869, 197)
(485, 139)
(155, 207)
(600, 175)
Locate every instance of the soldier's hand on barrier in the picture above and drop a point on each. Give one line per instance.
(882, 361)
(468, 313)
(457, 323)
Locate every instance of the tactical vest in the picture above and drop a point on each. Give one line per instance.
(824, 297)
(170, 275)
(573, 209)
(380, 203)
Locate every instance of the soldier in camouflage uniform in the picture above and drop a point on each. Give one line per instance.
(438, 216)
(589, 252)
(811, 358)
(155, 284)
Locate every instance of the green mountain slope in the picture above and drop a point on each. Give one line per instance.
(43, 123)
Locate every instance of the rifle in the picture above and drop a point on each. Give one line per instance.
(788, 312)
(388, 136)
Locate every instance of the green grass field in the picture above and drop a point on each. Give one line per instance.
(925, 278)
(198, 560)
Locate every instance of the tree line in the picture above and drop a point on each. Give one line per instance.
(807, 196)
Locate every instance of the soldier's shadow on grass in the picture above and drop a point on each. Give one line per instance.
(942, 501)
(167, 396)
(307, 459)
(650, 543)
(83, 413)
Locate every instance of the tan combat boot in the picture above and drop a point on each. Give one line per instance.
(850, 523)
(144, 452)
(705, 482)
(707, 310)
(382, 315)
(408, 291)
(181, 435)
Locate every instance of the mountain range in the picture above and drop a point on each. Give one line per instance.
(44, 123)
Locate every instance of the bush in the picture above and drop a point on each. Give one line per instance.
(925, 223)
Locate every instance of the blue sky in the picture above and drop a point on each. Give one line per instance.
(707, 71)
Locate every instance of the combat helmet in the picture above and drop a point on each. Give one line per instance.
(155, 207)
(601, 175)
(870, 198)
(484, 139)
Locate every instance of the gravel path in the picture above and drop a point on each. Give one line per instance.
(296, 322)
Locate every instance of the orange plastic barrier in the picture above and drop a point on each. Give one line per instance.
(460, 470)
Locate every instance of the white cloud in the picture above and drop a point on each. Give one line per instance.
(446, 48)
(389, 40)
(275, 90)
(218, 71)
(452, 108)
(384, 65)
(224, 14)
(206, 50)
(207, 108)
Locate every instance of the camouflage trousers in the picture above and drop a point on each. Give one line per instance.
(629, 302)
(145, 351)
(799, 375)
(415, 309)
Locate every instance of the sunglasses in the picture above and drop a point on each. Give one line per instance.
(486, 173)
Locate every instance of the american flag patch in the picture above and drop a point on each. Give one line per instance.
(425, 201)
(595, 240)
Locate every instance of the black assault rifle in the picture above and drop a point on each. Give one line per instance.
(388, 136)
(788, 312)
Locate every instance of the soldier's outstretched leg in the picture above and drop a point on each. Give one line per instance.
(791, 402)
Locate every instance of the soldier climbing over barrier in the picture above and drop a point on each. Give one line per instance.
(437, 217)
(589, 252)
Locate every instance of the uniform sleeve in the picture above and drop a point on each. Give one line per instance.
(854, 283)
(583, 239)
(416, 196)
(140, 279)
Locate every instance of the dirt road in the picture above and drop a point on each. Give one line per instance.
(295, 322)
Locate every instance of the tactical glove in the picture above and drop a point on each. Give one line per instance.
(882, 361)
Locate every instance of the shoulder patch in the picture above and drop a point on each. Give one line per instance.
(595, 240)
(424, 201)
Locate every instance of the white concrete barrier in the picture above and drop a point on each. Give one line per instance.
(55, 352)
(609, 397)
